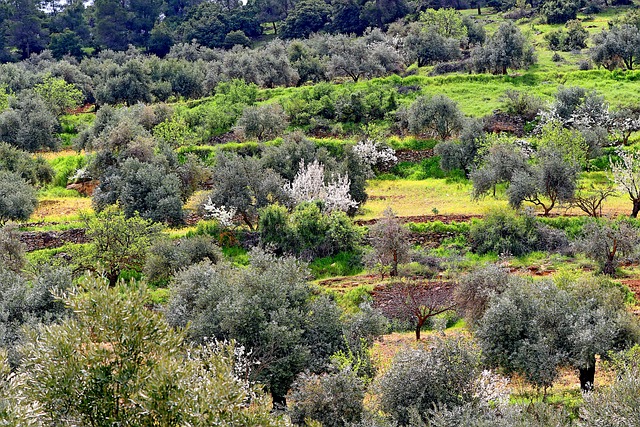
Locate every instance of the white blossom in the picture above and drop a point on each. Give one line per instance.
(223, 214)
(491, 388)
(309, 185)
(374, 154)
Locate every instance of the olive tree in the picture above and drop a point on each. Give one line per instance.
(262, 122)
(462, 154)
(244, 184)
(17, 198)
(27, 301)
(115, 362)
(267, 307)
(333, 399)
(618, 46)
(438, 114)
(418, 379)
(506, 48)
(626, 173)
(426, 46)
(475, 289)
(552, 179)
(498, 164)
(147, 188)
(606, 241)
(36, 171)
(615, 405)
(389, 240)
(11, 248)
(29, 124)
(535, 328)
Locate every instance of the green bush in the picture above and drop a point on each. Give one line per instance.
(503, 231)
(307, 232)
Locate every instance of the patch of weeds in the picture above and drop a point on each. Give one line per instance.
(236, 254)
(350, 300)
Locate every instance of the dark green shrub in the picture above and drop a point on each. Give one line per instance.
(167, 256)
(307, 231)
(503, 231)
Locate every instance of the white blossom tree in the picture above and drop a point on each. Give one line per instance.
(223, 214)
(374, 154)
(309, 185)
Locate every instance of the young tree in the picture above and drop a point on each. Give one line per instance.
(414, 301)
(117, 362)
(17, 198)
(59, 95)
(590, 201)
(117, 243)
(389, 240)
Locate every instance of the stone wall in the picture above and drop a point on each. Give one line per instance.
(35, 240)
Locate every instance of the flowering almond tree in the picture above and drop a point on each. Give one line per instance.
(309, 185)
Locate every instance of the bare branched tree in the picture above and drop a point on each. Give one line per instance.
(414, 301)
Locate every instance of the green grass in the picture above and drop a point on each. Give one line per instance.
(65, 166)
(46, 256)
(413, 198)
(236, 254)
(57, 192)
(72, 124)
(350, 300)
(342, 264)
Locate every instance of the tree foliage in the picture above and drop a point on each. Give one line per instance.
(534, 329)
(17, 198)
(266, 307)
(117, 243)
(115, 361)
